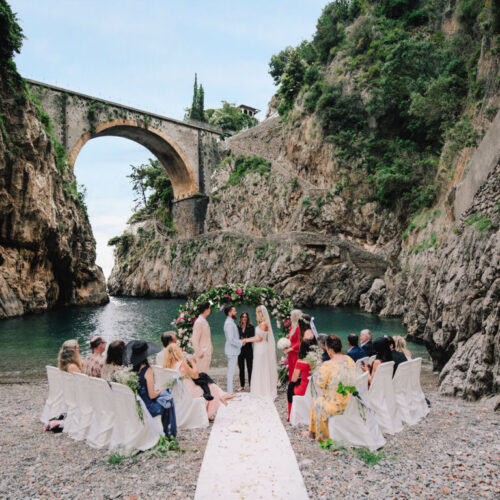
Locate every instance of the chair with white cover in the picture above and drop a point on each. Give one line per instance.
(54, 405)
(380, 398)
(84, 404)
(371, 359)
(190, 413)
(129, 431)
(359, 362)
(103, 416)
(72, 420)
(357, 426)
(401, 384)
(300, 412)
(419, 408)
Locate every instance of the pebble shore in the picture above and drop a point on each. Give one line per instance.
(454, 452)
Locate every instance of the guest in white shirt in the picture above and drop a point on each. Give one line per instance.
(202, 340)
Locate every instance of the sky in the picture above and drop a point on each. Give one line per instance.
(145, 54)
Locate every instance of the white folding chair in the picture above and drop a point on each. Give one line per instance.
(84, 405)
(419, 408)
(129, 432)
(300, 412)
(72, 420)
(103, 416)
(190, 413)
(380, 398)
(54, 405)
(401, 384)
(357, 426)
(359, 362)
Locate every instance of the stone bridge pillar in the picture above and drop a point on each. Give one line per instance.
(189, 215)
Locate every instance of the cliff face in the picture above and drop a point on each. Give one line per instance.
(308, 224)
(47, 251)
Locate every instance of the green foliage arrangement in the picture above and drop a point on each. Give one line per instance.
(230, 118)
(234, 294)
(409, 86)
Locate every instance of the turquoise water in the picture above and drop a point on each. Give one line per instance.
(29, 343)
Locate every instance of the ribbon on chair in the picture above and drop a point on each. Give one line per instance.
(313, 328)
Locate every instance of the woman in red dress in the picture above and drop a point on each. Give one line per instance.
(300, 377)
(294, 336)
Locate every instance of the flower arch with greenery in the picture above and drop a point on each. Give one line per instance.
(234, 294)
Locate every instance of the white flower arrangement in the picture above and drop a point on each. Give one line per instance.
(313, 357)
(284, 343)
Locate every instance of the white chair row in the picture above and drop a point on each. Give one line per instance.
(389, 403)
(191, 412)
(104, 416)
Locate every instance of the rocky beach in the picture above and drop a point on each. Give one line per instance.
(454, 452)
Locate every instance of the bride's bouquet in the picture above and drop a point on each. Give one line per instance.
(284, 343)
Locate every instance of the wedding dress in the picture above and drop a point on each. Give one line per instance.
(265, 371)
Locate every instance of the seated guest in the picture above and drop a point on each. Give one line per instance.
(383, 353)
(322, 343)
(157, 401)
(339, 368)
(355, 351)
(92, 365)
(366, 342)
(397, 357)
(166, 339)
(401, 346)
(114, 360)
(300, 378)
(174, 360)
(69, 359)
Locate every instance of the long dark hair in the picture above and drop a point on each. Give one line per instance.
(249, 321)
(382, 349)
(304, 325)
(115, 353)
(137, 367)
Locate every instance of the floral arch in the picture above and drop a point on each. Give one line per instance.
(234, 294)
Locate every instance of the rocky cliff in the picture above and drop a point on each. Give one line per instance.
(47, 250)
(327, 223)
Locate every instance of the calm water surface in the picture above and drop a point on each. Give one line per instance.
(29, 343)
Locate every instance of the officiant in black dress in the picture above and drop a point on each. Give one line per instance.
(246, 330)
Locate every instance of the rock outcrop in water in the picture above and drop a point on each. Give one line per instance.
(47, 250)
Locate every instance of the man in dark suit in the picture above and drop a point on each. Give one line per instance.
(397, 356)
(354, 350)
(366, 342)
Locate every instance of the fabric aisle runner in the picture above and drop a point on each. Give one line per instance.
(249, 455)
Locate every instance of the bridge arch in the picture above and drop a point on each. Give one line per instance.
(168, 152)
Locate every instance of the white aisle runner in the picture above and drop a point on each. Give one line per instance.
(249, 455)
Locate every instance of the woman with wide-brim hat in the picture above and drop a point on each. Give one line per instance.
(136, 353)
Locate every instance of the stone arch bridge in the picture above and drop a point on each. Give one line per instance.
(187, 150)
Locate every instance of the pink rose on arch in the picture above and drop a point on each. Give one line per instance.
(287, 323)
(227, 295)
(239, 292)
(179, 319)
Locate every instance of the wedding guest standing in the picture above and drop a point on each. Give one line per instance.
(69, 359)
(294, 336)
(201, 338)
(340, 368)
(300, 378)
(246, 330)
(92, 365)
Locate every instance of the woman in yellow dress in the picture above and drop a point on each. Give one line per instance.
(339, 368)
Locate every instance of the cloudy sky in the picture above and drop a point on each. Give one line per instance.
(145, 54)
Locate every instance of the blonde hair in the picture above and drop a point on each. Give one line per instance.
(69, 355)
(260, 316)
(173, 353)
(294, 318)
(400, 345)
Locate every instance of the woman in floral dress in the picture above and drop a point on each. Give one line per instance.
(339, 368)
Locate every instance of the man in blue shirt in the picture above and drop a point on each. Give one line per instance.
(355, 351)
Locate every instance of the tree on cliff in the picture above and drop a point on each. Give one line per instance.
(230, 117)
(197, 111)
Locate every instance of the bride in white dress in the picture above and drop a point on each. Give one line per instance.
(265, 371)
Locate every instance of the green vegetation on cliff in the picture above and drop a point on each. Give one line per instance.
(230, 118)
(389, 81)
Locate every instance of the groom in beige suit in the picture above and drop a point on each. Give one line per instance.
(202, 340)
